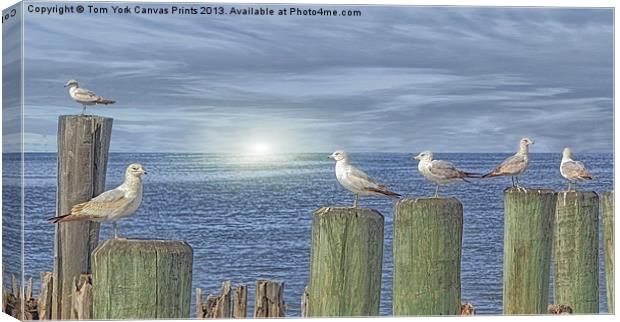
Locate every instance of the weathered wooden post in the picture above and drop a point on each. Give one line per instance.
(269, 300)
(240, 302)
(528, 231)
(142, 279)
(607, 205)
(427, 256)
(575, 251)
(345, 262)
(83, 144)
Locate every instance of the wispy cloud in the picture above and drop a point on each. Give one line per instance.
(395, 79)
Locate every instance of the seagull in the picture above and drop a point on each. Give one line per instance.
(513, 166)
(356, 181)
(84, 96)
(438, 171)
(111, 205)
(572, 170)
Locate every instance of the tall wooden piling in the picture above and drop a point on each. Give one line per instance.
(528, 230)
(142, 279)
(575, 251)
(427, 256)
(83, 144)
(345, 262)
(607, 205)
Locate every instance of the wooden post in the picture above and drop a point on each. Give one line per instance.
(240, 302)
(216, 306)
(83, 143)
(607, 205)
(142, 279)
(82, 298)
(528, 231)
(304, 303)
(201, 311)
(45, 296)
(427, 256)
(345, 262)
(269, 300)
(575, 251)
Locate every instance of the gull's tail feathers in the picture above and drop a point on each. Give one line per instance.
(65, 218)
(491, 174)
(104, 101)
(469, 175)
(383, 190)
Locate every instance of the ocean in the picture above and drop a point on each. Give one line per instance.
(249, 217)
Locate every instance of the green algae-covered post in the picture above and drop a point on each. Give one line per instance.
(528, 229)
(142, 279)
(575, 251)
(607, 205)
(345, 262)
(427, 256)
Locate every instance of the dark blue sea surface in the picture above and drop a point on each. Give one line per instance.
(249, 217)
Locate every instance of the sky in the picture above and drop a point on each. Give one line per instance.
(396, 79)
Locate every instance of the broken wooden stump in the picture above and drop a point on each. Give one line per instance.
(215, 306)
(269, 301)
(240, 302)
(82, 298)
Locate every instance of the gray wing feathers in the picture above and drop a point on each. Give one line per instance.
(444, 169)
(575, 170)
(85, 95)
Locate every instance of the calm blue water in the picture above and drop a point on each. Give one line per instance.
(249, 218)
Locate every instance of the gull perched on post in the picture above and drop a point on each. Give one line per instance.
(572, 170)
(84, 96)
(111, 205)
(438, 171)
(515, 165)
(356, 181)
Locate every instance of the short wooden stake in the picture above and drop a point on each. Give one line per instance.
(240, 302)
(269, 299)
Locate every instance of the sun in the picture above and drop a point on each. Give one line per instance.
(260, 148)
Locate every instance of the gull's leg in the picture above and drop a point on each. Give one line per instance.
(575, 186)
(568, 186)
(83, 109)
(115, 229)
(513, 181)
(355, 201)
(519, 186)
(437, 191)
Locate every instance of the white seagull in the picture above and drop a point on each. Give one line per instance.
(515, 165)
(572, 170)
(111, 205)
(440, 172)
(84, 96)
(356, 181)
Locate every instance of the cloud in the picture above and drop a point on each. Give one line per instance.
(395, 79)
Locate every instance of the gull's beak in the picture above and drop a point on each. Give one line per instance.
(417, 157)
(330, 157)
